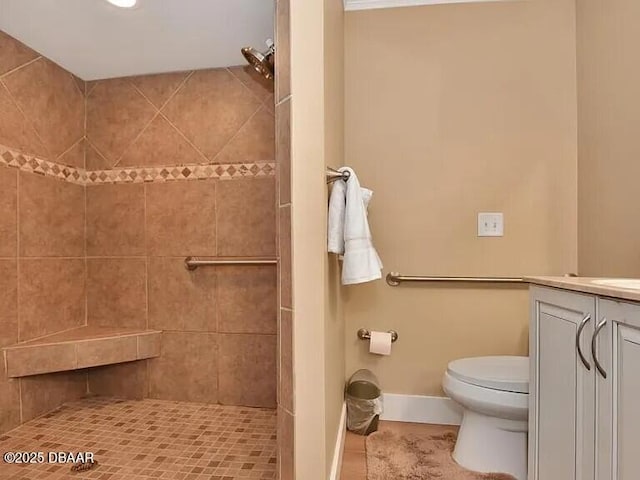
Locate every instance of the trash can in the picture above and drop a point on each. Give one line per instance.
(364, 402)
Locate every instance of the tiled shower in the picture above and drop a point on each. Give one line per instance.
(105, 188)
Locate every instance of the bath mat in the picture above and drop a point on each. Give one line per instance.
(410, 452)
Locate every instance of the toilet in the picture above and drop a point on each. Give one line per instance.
(494, 395)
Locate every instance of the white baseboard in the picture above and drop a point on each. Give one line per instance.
(336, 464)
(351, 5)
(421, 409)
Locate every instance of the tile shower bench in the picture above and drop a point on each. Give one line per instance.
(79, 348)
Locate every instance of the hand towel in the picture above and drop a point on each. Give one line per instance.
(349, 231)
(337, 208)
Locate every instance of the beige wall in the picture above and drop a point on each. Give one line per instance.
(317, 140)
(609, 144)
(334, 156)
(452, 110)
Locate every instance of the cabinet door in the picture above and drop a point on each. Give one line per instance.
(562, 397)
(617, 349)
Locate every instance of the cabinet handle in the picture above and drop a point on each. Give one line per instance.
(594, 341)
(583, 324)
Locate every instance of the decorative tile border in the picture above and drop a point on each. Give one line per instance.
(184, 172)
(28, 163)
(80, 176)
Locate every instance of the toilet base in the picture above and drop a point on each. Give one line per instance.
(488, 444)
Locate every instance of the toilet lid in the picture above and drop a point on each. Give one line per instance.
(507, 374)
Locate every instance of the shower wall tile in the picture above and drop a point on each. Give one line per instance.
(286, 432)
(47, 358)
(75, 156)
(42, 113)
(98, 352)
(260, 87)
(51, 293)
(247, 370)
(82, 86)
(42, 107)
(202, 117)
(8, 302)
(286, 294)
(254, 142)
(115, 220)
(116, 114)
(180, 299)
(285, 372)
(117, 292)
(13, 53)
(210, 109)
(246, 218)
(158, 89)
(283, 47)
(49, 97)
(52, 217)
(9, 401)
(149, 346)
(8, 212)
(181, 218)
(123, 380)
(186, 369)
(286, 403)
(94, 160)
(247, 299)
(43, 393)
(15, 130)
(161, 144)
(283, 156)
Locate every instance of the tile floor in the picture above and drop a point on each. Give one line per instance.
(149, 439)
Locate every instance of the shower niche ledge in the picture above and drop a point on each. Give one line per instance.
(79, 348)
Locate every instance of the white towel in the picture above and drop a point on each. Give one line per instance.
(349, 232)
(337, 208)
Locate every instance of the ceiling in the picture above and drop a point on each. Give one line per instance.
(94, 40)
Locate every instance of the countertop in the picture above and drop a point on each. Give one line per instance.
(586, 285)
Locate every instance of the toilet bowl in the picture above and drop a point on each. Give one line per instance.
(494, 395)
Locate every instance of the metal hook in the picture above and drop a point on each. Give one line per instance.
(334, 175)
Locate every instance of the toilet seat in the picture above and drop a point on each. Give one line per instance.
(505, 374)
(510, 406)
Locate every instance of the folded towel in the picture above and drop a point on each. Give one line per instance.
(337, 207)
(349, 232)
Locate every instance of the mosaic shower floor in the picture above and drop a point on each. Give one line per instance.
(148, 439)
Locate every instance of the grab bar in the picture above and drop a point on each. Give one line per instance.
(395, 279)
(192, 263)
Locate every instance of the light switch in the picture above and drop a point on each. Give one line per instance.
(490, 225)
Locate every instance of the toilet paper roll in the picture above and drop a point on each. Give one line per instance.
(380, 343)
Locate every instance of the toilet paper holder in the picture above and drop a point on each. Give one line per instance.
(364, 334)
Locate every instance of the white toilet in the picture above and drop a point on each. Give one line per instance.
(494, 395)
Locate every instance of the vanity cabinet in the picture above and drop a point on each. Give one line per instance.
(584, 420)
(617, 389)
(561, 386)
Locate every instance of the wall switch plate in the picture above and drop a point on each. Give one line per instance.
(490, 225)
